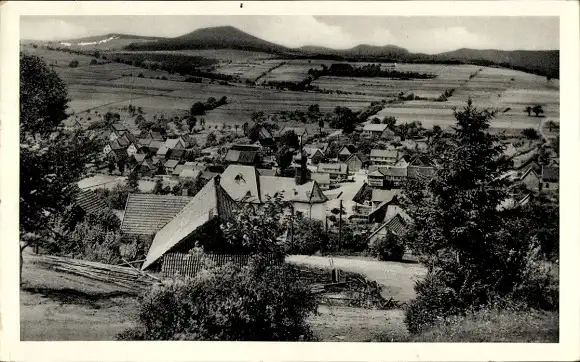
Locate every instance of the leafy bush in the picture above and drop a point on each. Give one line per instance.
(434, 302)
(530, 133)
(309, 237)
(390, 247)
(74, 63)
(228, 303)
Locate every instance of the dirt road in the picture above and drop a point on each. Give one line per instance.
(397, 279)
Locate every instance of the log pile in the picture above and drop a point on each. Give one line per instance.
(128, 278)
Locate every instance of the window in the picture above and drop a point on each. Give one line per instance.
(547, 185)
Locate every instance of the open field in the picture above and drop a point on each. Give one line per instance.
(110, 87)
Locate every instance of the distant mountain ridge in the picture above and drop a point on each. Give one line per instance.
(542, 62)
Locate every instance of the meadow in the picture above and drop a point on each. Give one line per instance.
(113, 86)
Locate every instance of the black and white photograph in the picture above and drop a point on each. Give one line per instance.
(290, 178)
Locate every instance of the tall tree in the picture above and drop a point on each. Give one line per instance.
(457, 228)
(538, 110)
(51, 161)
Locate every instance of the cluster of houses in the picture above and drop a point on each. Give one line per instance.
(364, 188)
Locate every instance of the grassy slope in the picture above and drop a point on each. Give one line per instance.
(57, 306)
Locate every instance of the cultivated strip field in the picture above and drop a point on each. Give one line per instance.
(113, 86)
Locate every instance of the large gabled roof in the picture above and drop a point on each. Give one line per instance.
(384, 153)
(396, 225)
(89, 202)
(145, 214)
(210, 202)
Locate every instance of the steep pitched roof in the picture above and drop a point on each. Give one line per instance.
(375, 127)
(241, 182)
(145, 214)
(171, 163)
(89, 202)
(118, 127)
(384, 153)
(172, 142)
(241, 156)
(162, 150)
(396, 225)
(177, 170)
(420, 172)
(344, 151)
(139, 157)
(210, 202)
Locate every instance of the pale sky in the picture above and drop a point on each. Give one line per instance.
(417, 34)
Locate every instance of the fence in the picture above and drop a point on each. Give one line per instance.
(191, 264)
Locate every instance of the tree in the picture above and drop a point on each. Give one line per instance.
(74, 63)
(211, 140)
(538, 110)
(51, 161)
(121, 165)
(111, 167)
(197, 109)
(245, 128)
(468, 246)
(320, 125)
(133, 181)
(158, 188)
(290, 140)
(375, 120)
(236, 126)
(257, 302)
(93, 62)
(191, 122)
(528, 110)
(284, 159)
(530, 133)
(552, 125)
(309, 237)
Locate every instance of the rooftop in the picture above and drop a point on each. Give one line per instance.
(145, 214)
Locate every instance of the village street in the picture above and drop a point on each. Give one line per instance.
(396, 278)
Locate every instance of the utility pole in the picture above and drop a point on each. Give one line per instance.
(340, 225)
(292, 227)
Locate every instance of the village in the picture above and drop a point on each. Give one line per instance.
(349, 179)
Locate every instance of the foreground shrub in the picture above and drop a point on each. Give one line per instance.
(390, 247)
(228, 303)
(434, 302)
(309, 237)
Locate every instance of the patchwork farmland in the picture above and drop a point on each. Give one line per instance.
(113, 86)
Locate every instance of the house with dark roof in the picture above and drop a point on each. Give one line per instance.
(357, 161)
(88, 202)
(245, 184)
(147, 167)
(381, 196)
(193, 224)
(117, 130)
(344, 154)
(177, 154)
(146, 214)
(396, 225)
(384, 157)
(377, 130)
(242, 157)
(393, 176)
(337, 171)
(170, 166)
(420, 172)
(550, 178)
